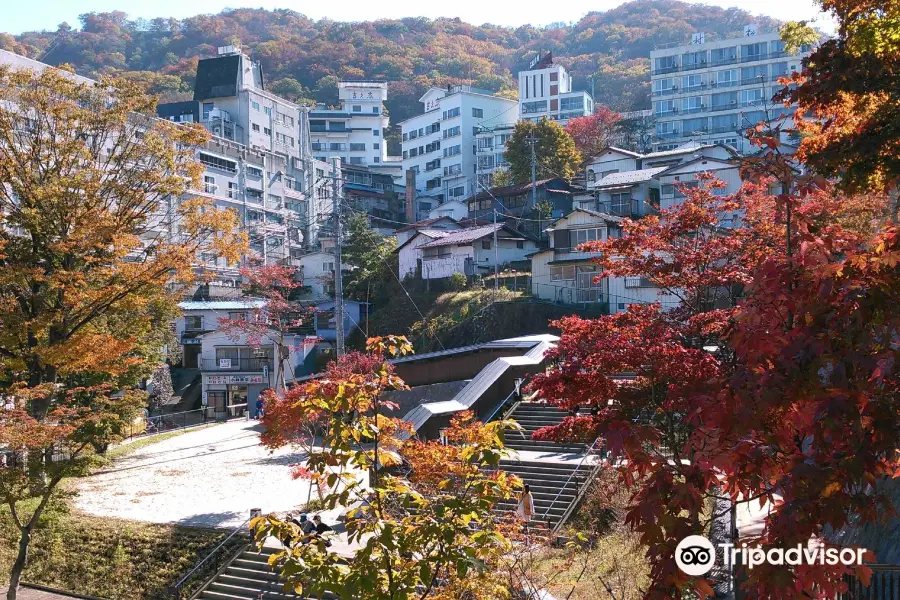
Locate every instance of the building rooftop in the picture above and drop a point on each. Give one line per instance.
(626, 177)
(422, 224)
(465, 236)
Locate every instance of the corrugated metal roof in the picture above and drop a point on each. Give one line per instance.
(423, 223)
(464, 236)
(629, 177)
(221, 304)
(684, 149)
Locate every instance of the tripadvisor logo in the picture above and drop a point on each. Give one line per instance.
(695, 555)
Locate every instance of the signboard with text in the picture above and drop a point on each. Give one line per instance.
(226, 379)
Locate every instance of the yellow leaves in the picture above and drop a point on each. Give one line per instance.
(91, 353)
(831, 489)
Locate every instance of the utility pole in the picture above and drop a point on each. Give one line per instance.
(338, 281)
(496, 261)
(531, 141)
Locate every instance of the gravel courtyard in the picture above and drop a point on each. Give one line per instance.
(209, 477)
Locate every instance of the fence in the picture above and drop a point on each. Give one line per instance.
(167, 422)
(210, 565)
(884, 585)
(589, 298)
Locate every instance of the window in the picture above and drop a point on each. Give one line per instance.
(520, 245)
(237, 316)
(691, 82)
(723, 56)
(726, 78)
(267, 110)
(751, 75)
(554, 76)
(638, 282)
(449, 114)
(534, 107)
(724, 101)
(375, 110)
(357, 108)
(452, 151)
(620, 204)
(695, 126)
(218, 163)
(376, 133)
(357, 147)
(664, 107)
(255, 105)
(665, 64)
(753, 51)
(376, 146)
(573, 103)
(562, 273)
(434, 253)
(692, 104)
(752, 97)
(254, 195)
(459, 190)
(610, 172)
(580, 236)
(693, 60)
(193, 322)
(254, 172)
(209, 184)
(267, 131)
(232, 189)
(255, 127)
(478, 113)
(207, 108)
(452, 132)
(723, 123)
(662, 87)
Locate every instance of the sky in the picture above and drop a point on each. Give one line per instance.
(19, 16)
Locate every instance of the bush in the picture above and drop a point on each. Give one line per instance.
(457, 282)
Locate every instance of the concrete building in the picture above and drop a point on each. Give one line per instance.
(373, 192)
(440, 144)
(712, 92)
(564, 275)
(258, 162)
(435, 254)
(490, 153)
(353, 132)
(545, 92)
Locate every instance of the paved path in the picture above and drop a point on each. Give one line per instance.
(209, 477)
(25, 593)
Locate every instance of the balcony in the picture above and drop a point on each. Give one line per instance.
(727, 129)
(666, 92)
(718, 62)
(667, 135)
(720, 107)
(694, 66)
(723, 84)
(250, 365)
(694, 109)
(753, 80)
(664, 70)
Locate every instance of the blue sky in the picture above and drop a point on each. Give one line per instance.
(18, 16)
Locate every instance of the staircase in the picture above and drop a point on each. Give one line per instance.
(247, 577)
(533, 416)
(555, 472)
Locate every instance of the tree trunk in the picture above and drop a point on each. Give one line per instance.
(15, 574)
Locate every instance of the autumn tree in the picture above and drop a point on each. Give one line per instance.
(90, 183)
(420, 536)
(848, 89)
(593, 133)
(554, 151)
(276, 320)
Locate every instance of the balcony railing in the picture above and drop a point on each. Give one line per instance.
(694, 109)
(695, 66)
(666, 92)
(720, 107)
(723, 84)
(752, 80)
(662, 70)
(667, 134)
(253, 365)
(718, 62)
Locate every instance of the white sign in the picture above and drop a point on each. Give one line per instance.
(224, 363)
(226, 379)
(697, 38)
(750, 30)
(432, 105)
(365, 95)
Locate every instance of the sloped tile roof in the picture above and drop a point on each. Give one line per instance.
(464, 236)
(629, 177)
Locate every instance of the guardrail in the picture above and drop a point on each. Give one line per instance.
(167, 422)
(580, 489)
(207, 568)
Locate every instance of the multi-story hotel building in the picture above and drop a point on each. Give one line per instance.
(490, 153)
(712, 92)
(545, 92)
(440, 144)
(354, 132)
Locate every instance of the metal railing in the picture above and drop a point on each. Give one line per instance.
(237, 364)
(500, 406)
(580, 488)
(207, 568)
(167, 422)
(883, 585)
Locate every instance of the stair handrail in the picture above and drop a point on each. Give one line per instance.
(500, 406)
(176, 590)
(578, 497)
(564, 485)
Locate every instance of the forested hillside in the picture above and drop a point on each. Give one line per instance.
(304, 58)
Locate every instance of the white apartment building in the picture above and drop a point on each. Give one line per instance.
(355, 131)
(712, 92)
(258, 162)
(440, 144)
(490, 148)
(545, 92)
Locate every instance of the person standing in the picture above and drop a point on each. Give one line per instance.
(525, 510)
(260, 408)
